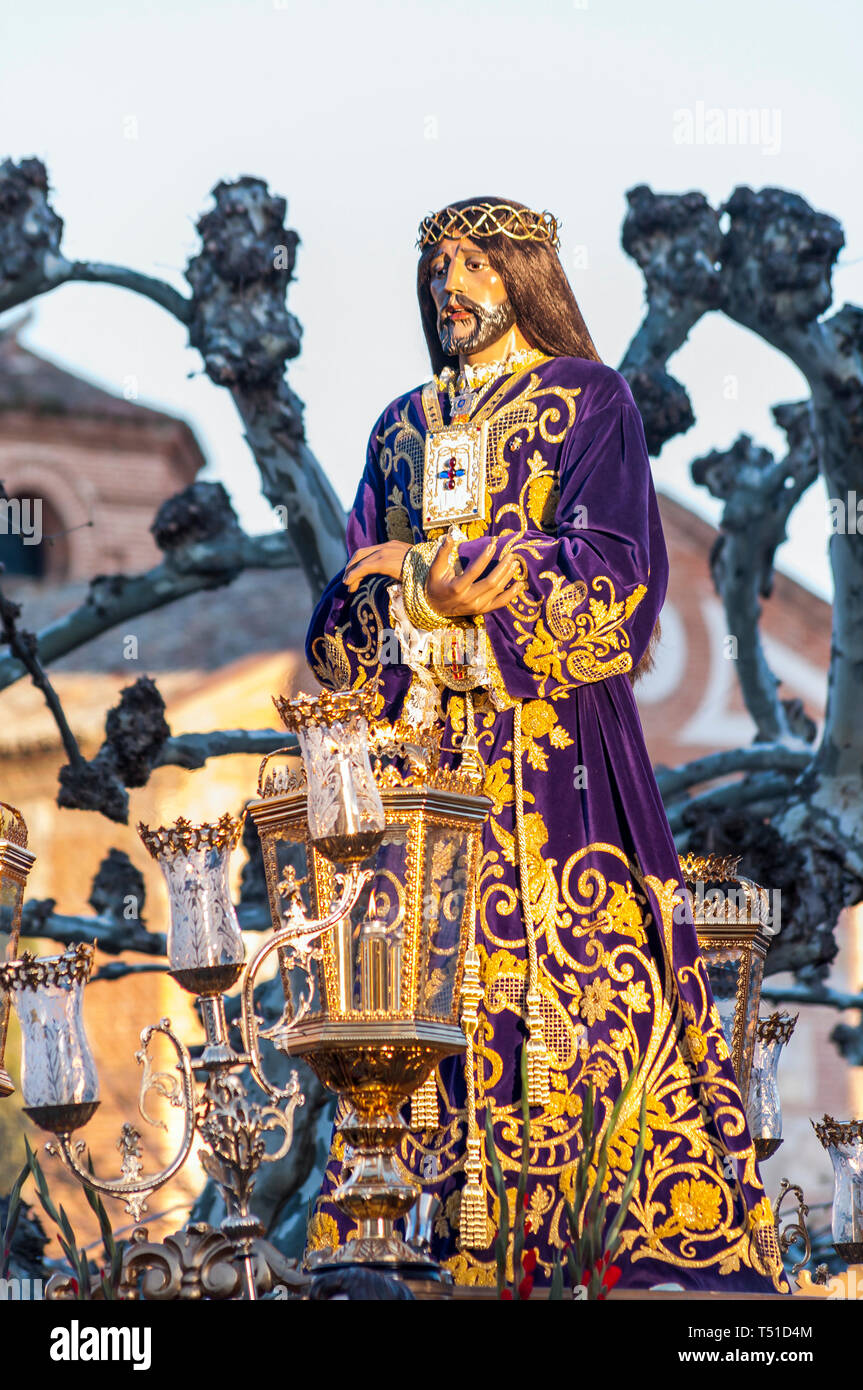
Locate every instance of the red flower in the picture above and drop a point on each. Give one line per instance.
(528, 1264)
(507, 1294)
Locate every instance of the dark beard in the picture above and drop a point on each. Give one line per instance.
(489, 325)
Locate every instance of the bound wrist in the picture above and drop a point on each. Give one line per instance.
(415, 571)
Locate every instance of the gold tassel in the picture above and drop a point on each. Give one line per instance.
(538, 1084)
(471, 758)
(473, 1213)
(424, 1105)
(538, 1063)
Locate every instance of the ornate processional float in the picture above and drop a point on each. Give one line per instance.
(370, 853)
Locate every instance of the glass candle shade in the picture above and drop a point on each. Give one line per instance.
(765, 1109)
(345, 814)
(844, 1144)
(15, 864)
(58, 1073)
(205, 943)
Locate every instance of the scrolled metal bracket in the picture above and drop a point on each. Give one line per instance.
(133, 1186)
(297, 948)
(795, 1230)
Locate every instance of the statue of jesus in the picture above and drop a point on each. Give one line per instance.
(507, 518)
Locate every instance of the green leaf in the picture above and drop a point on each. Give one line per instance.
(98, 1206)
(518, 1238)
(13, 1215)
(41, 1185)
(613, 1237)
(500, 1245)
(593, 1213)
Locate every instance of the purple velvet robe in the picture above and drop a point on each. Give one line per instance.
(623, 984)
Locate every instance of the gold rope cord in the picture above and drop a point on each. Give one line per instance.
(473, 1216)
(538, 1088)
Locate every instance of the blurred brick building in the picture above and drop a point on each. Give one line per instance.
(102, 466)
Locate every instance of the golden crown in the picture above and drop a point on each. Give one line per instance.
(488, 219)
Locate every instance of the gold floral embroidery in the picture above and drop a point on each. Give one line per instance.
(696, 1205)
(398, 522)
(330, 662)
(538, 409)
(596, 1001)
(697, 1043)
(323, 1233)
(762, 1212)
(403, 442)
(539, 720)
(590, 647)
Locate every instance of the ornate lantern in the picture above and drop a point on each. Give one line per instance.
(732, 915)
(58, 1073)
(844, 1144)
(15, 864)
(765, 1109)
(375, 1006)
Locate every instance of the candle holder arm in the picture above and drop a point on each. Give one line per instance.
(134, 1186)
(296, 946)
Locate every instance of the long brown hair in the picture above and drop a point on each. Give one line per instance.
(546, 311)
(538, 290)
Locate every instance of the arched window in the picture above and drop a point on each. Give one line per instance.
(33, 543)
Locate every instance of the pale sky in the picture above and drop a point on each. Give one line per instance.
(365, 117)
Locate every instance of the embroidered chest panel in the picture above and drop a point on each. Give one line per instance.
(523, 439)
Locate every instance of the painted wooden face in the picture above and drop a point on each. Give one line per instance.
(473, 309)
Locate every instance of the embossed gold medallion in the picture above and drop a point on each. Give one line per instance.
(454, 474)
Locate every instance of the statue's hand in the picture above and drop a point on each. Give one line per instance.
(386, 558)
(462, 595)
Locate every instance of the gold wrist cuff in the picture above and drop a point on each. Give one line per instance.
(415, 572)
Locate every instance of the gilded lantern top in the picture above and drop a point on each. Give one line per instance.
(709, 868)
(183, 836)
(833, 1132)
(327, 707)
(776, 1028)
(13, 827)
(401, 754)
(32, 972)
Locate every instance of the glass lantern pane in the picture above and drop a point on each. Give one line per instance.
(10, 899)
(750, 1021)
(284, 848)
(444, 893)
(385, 898)
(723, 968)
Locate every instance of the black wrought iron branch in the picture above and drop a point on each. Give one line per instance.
(193, 750)
(23, 647)
(758, 757)
(236, 316)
